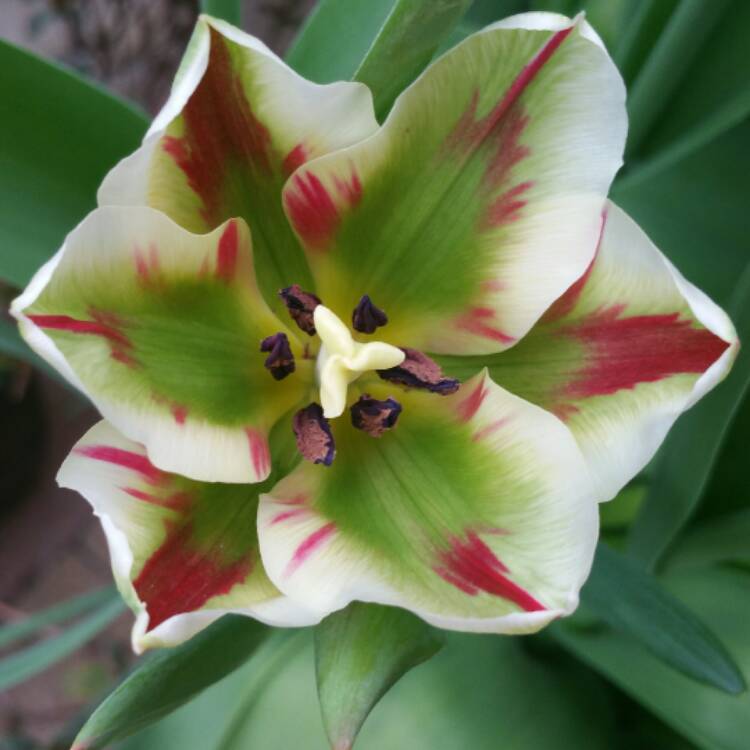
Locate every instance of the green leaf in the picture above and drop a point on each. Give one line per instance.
(712, 97)
(724, 539)
(691, 451)
(669, 59)
(480, 692)
(640, 35)
(169, 679)
(335, 38)
(54, 615)
(709, 718)
(405, 45)
(634, 603)
(30, 661)
(59, 134)
(360, 653)
(229, 10)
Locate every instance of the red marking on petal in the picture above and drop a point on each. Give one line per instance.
(285, 515)
(500, 131)
(469, 406)
(472, 566)
(311, 210)
(220, 130)
(493, 285)
(226, 252)
(564, 411)
(180, 414)
(177, 501)
(489, 429)
(308, 546)
(476, 320)
(260, 454)
(104, 325)
(506, 208)
(126, 459)
(565, 304)
(66, 323)
(350, 190)
(622, 352)
(178, 579)
(295, 159)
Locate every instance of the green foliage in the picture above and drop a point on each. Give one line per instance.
(28, 662)
(404, 46)
(709, 718)
(170, 678)
(55, 615)
(60, 136)
(229, 10)
(635, 604)
(479, 692)
(360, 653)
(336, 37)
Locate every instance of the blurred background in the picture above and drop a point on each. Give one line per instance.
(686, 181)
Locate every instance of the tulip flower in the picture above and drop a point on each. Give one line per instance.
(397, 363)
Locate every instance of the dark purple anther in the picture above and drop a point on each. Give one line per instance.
(313, 433)
(280, 361)
(366, 317)
(375, 417)
(301, 305)
(419, 371)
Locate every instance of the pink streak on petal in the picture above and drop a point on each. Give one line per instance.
(286, 515)
(477, 320)
(311, 210)
(489, 429)
(227, 251)
(294, 159)
(469, 406)
(308, 546)
(349, 190)
(180, 414)
(126, 459)
(472, 566)
(260, 455)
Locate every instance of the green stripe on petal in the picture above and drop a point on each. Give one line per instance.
(237, 124)
(162, 329)
(475, 512)
(477, 203)
(183, 553)
(620, 355)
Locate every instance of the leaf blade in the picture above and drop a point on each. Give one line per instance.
(634, 603)
(24, 664)
(61, 134)
(347, 27)
(228, 10)
(171, 678)
(405, 45)
(360, 652)
(53, 615)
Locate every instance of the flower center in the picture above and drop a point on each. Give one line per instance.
(342, 360)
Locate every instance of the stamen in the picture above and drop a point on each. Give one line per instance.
(314, 437)
(280, 361)
(375, 417)
(367, 317)
(419, 371)
(301, 305)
